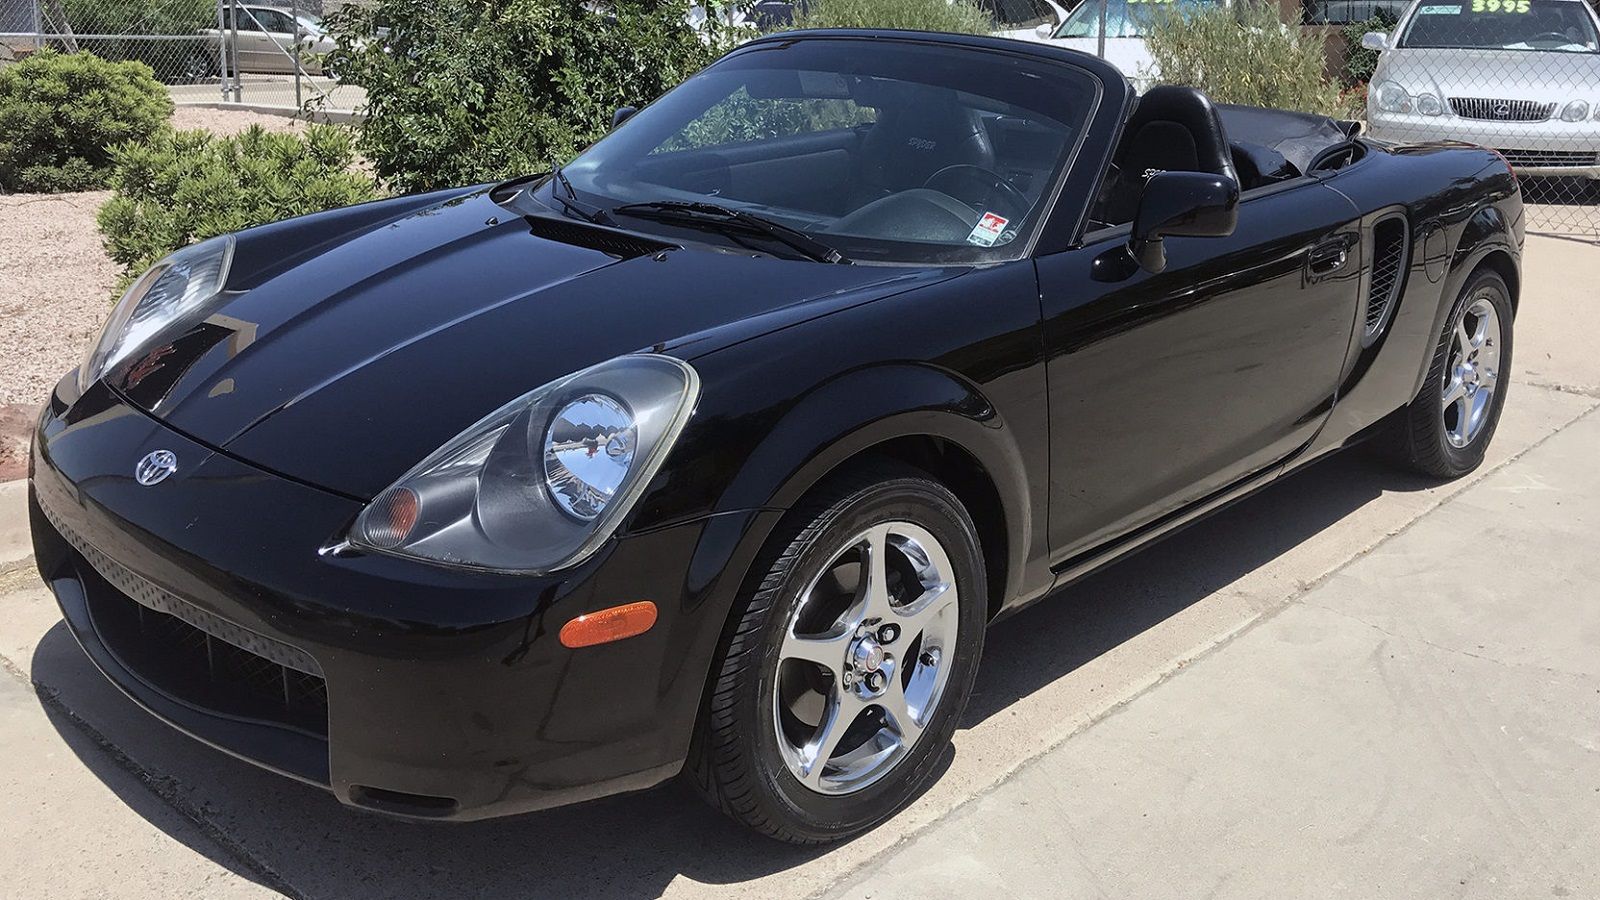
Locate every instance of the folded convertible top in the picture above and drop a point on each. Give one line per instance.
(1298, 136)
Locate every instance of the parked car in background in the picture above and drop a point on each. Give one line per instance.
(1011, 18)
(267, 36)
(1022, 18)
(1520, 76)
(1125, 30)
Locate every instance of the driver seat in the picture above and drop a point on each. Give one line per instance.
(1174, 129)
(920, 130)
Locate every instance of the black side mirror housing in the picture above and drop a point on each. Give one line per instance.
(622, 114)
(1185, 204)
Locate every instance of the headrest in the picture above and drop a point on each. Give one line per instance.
(1176, 128)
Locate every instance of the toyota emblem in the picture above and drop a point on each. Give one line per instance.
(155, 467)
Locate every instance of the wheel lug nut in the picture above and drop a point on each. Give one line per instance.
(873, 681)
(889, 633)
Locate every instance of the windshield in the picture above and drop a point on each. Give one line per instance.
(893, 152)
(1124, 18)
(1563, 25)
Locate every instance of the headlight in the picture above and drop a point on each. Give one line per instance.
(1391, 97)
(1429, 105)
(173, 293)
(1576, 111)
(541, 482)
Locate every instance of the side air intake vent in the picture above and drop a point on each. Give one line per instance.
(578, 234)
(1390, 240)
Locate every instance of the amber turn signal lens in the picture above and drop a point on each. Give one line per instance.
(609, 625)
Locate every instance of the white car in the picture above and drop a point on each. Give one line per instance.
(1125, 21)
(1519, 76)
(267, 36)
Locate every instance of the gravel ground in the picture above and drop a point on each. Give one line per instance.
(227, 121)
(55, 288)
(55, 279)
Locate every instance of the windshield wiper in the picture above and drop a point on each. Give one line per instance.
(722, 218)
(591, 214)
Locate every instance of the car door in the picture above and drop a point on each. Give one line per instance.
(251, 43)
(1167, 388)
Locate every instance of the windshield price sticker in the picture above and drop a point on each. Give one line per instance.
(988, 230)
(1500, 6)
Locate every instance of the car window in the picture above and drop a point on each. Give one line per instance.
(1562, 25)
(274, 21)
(908, 153)
(1016, 14)
(740, 118)
(1124, 18)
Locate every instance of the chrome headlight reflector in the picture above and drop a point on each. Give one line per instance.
(1576, 111)
(539, 484)
(1391, 97)
(173, 293)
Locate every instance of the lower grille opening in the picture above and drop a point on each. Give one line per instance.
(1551, 158)
(206, 672)
(402, 803)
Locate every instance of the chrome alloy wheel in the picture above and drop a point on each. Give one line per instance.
(865, 658)
(1471, 372)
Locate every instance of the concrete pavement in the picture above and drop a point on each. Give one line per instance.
(1424, 723)
(1119, 641)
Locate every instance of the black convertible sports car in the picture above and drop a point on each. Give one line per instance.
(716, 449)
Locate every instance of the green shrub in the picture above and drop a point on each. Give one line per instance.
(185, 186)
(1359, 62)
(172, 61)
(959, 16)
(1244, 54)
(462, 91)
(59, 113)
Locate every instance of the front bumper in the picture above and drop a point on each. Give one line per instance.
(1540, 149)
(211, 600)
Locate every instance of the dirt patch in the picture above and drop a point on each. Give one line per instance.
(16, 424)
(55, 289)
(231, 121)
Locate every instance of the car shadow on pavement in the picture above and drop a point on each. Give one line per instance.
(281, 833)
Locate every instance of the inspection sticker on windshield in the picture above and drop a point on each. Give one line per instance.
(1441, 10)
(988, 230)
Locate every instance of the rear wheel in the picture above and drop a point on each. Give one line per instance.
(842, 677)
(1446, 430)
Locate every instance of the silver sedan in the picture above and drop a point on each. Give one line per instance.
(1519, 76)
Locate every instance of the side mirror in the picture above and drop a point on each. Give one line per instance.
(622, 114)
(1183, 204)
(1044, 31)
(1375, 40)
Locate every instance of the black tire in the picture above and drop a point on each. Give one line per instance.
(735, 761)
(1419, 441)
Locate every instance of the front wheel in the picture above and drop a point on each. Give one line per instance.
(1446, 430)
(842, 677)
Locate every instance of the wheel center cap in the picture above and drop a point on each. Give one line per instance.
(866, 655)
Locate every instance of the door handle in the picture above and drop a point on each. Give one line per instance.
(1329, 256)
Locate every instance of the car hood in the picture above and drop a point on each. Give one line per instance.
(1544, 76)
(349, 366)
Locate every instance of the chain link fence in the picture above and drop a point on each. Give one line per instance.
(1519, 76)
(266, 54)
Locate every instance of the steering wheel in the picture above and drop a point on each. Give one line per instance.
(993, 188)
(1549, 36)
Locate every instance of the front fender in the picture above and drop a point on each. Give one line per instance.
(860, 410)
(1491, 229)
